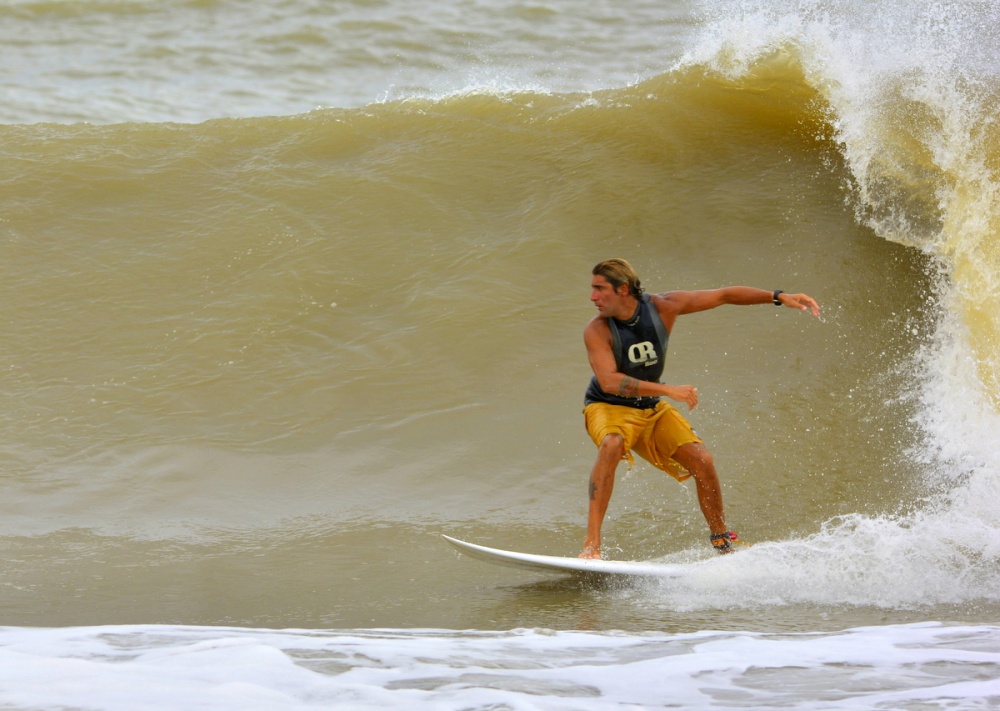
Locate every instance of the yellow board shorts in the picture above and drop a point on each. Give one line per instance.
(654, 434)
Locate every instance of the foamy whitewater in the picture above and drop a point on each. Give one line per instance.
(910, 666)
(292, 287)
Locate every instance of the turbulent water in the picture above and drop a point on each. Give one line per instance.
(292, 288)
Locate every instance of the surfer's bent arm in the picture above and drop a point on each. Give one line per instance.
(678, 303)
(597, 338)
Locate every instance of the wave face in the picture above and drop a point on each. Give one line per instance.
(256, 356)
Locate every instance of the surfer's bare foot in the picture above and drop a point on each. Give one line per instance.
(591, 552)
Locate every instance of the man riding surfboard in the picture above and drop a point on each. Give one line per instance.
(623, 410)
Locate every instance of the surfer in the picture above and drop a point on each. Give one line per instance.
(623, 410)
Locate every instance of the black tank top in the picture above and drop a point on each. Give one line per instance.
(639, 346)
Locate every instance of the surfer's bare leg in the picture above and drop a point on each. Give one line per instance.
(698, 460)
(602, 482)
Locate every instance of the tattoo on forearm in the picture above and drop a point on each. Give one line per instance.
(629, 387)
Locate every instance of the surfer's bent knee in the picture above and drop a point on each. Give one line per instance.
(699, 459)
(613, 443)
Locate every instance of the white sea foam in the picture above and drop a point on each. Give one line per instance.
(156, 667)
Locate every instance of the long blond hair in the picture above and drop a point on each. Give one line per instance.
(617, 272)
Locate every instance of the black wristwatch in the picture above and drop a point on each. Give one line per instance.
(777, 293)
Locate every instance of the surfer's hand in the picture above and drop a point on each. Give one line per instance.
(684, 393)
(800, 302)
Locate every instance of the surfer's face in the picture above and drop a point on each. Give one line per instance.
(605, 297)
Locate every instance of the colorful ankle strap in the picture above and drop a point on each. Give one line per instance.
(723, 542)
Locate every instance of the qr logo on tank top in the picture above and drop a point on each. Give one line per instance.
(643, 354)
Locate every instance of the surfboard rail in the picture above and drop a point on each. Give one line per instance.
(558, 564)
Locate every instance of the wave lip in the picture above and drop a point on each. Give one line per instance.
(912, 92)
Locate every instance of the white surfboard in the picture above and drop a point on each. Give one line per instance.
(558, 564)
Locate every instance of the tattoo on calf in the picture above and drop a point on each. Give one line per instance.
(593, 490)
(629, 387)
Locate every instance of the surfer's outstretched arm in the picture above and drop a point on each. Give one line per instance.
(679, 303)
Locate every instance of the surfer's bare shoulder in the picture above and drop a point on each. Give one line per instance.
(669, 304)
(597, 331)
